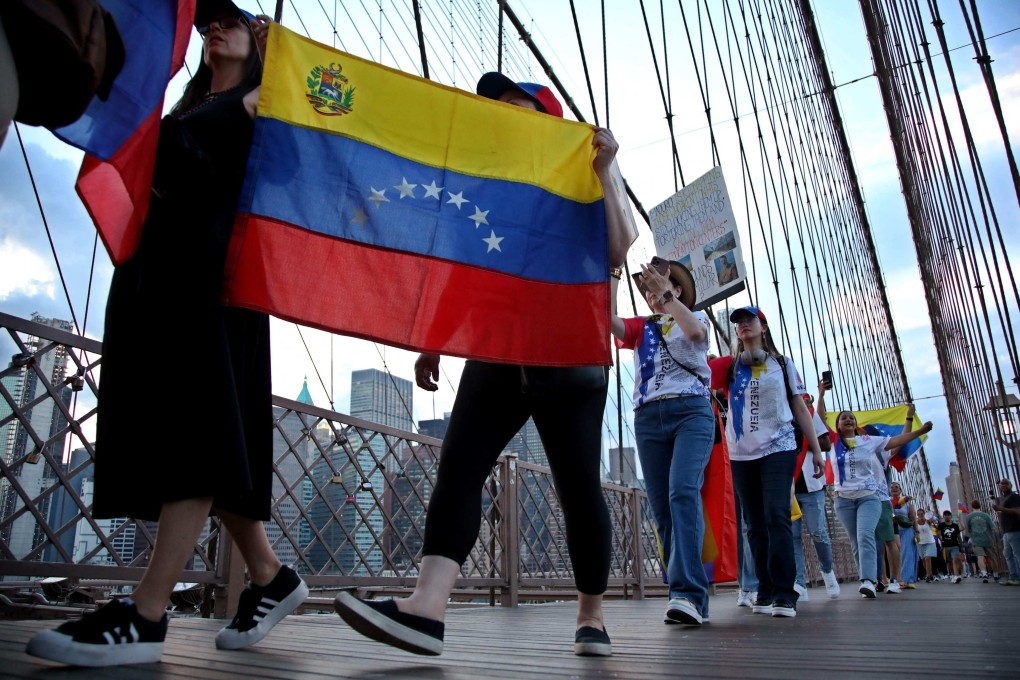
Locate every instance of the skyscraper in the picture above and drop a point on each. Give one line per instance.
(385, 399)
(41, 364)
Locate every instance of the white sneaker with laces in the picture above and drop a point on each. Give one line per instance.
(744, 598)
(831, 584)
(802, 594)
(867, 589)
(893, 588)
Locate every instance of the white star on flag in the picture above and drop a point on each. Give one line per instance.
(404, 188)
(378, 197)
(479, 217)
(432, 191)
(359, 216)
(457, 198)
(493, 242)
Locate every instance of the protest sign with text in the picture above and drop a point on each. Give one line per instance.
(695, 226)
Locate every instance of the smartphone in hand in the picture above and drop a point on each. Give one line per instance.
(827, 379)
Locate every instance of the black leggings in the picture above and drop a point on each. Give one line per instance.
(491, 406)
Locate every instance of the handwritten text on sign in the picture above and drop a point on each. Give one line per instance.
(696, 227)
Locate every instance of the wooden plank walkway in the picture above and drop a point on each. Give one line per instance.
(938, 630)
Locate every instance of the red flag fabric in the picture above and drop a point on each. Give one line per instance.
(120, 135)
(719, 549)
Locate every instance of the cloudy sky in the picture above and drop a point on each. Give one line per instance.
(31, 268)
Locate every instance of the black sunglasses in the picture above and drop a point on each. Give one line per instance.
(224, 24)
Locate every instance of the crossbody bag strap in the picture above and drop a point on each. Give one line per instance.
(662, 339)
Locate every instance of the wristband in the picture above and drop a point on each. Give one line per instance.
(666, 297)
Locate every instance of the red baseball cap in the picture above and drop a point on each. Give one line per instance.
(493, 84)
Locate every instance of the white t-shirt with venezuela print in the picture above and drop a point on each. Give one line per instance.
(655, 372)
(760, 420)
(860, 467)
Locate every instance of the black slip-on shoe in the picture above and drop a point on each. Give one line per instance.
(383, 622)
(591, 641)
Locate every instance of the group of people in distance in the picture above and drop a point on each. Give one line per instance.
(203, 147)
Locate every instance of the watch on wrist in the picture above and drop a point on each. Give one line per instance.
(616, 272)
(667, 296)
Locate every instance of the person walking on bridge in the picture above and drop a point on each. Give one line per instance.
(493, 402)
(765, 397)
(981, 528)
(1008, 507)
(674, 425)
(860, 463)
(202, 153)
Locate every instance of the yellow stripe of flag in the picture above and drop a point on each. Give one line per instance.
(423, 121)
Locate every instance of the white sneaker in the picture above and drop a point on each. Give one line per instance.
(802, 594)
(681, 610)
(893, 588)
(831, 584)
(867, 589)
(744, 598)
(957, 580)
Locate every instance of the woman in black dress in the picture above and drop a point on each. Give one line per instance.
(185, 421)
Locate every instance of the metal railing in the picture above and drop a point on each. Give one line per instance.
(349, 497)
(349, 500)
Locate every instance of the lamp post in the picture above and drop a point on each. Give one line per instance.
(1005, 410)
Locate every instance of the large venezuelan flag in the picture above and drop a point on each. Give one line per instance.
(885, 422)
(384, 206)
(120, 135)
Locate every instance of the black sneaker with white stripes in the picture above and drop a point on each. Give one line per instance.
(262, 607)
(113, 635)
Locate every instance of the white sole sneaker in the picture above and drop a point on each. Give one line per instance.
(271, 612)
(49, 644)
(681, 610)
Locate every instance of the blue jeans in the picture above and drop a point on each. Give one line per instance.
(746, 577)
(812, 504)
(908, 553)
(674, 439)
(764, 485)
(1011, 543)
(859, 516)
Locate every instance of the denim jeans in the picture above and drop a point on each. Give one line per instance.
(746, 578)
(859, 516)
(908, 553)
(812, 505)
(764, 485)
(674, 440)
(1011, 543)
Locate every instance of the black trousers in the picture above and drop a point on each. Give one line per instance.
(493, 403)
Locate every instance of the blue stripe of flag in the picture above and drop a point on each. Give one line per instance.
(328, 188)
(148, 28)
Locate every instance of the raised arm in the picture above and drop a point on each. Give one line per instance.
(909, 425)
(690, 324)
(619, 219)
(820, 402)
(907, 437)
(616, 323)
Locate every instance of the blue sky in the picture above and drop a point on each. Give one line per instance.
(30, 282)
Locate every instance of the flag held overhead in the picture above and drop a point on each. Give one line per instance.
(384, 206)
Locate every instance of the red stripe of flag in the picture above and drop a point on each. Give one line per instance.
(415, 302)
